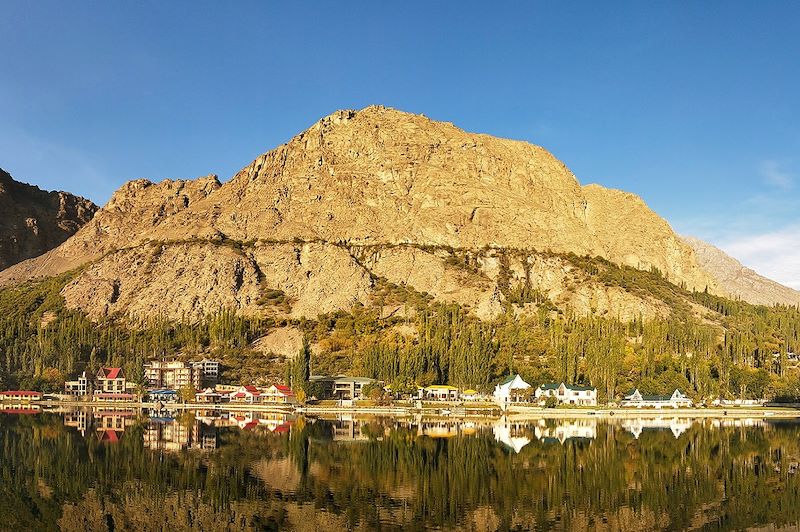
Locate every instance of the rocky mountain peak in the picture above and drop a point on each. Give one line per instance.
(361, 194)
(34, 221)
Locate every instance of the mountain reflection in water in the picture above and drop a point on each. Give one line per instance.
(117, 469)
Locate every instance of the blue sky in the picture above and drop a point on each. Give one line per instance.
(695, 106)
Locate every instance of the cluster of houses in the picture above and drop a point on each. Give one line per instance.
(165, 380)
(162, 380)
(514, 389)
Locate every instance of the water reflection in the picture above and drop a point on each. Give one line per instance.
(103, 469)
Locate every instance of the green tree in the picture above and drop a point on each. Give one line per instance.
(301, 367)
(187, 393)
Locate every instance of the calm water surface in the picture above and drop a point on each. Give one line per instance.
(125, 470)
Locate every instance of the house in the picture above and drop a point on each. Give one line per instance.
(113, 397)
(471, 395)
(163, 396)
(439, 392)
(23, 396)
(78, 388)
(340, 386)
(350, 387)
(568, 394)
(246, 394)
(208, 396)
(510, 390)
(636, 399)
(278, 394)
(110, 380)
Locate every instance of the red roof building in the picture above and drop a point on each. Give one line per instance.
(111, 373)
(113, 397)
(110, 380)
(278, 394)
(20, 395)
(246, 394)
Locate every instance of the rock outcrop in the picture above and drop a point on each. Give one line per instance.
(33, 221)
(363, 196)
(737, 280)
(125, 221)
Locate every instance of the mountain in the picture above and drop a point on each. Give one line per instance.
(360, 198)
(739, 281)
(34, 221)
(402, 249)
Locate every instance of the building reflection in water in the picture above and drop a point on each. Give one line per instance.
(108, 424)
(178, 430)
(674, 424)
(513, 435)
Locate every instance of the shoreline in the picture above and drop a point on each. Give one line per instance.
(443, 410)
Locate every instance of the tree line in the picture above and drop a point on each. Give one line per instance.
(737, 350)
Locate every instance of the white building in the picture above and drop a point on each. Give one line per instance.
(439, 392)
(568, 394)
(175, 374)
(509, 390)
(78, 388)
(637, 400)
(172, 374)
(209, 371)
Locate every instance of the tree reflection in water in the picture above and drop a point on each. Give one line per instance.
(122, 470)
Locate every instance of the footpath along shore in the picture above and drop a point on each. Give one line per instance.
(444, 409)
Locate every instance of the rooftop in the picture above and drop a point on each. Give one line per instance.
(509, 379)
(111, 373)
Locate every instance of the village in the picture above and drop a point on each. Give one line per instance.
(197, 383)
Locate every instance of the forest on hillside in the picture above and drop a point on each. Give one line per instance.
(733, 349)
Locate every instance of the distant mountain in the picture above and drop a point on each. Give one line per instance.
(737, 280)
(34, 221)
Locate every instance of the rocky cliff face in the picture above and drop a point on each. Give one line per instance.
(739, 281)
(380, 176)
(124, 222)
(33, 221)
(363, 196)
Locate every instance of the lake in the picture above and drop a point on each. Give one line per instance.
(125, 470)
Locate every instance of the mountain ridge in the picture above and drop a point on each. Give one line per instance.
(294, 219)
(34, 221)
(740, 281)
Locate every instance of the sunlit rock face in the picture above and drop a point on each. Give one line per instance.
(362, 195)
